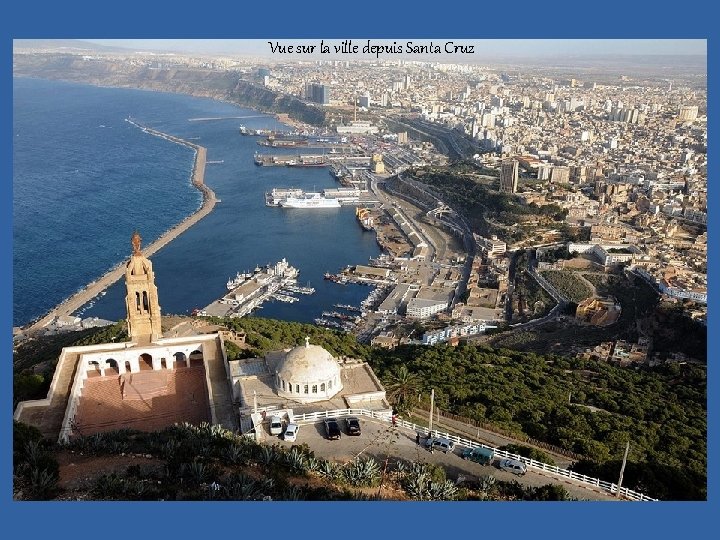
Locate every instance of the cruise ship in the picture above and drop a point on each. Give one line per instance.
(309, 200)
(277, 195)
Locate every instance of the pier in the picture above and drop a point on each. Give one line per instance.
(308, 160)
(248, 291)
(94, 288)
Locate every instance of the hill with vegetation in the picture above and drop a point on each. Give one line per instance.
(589, 407)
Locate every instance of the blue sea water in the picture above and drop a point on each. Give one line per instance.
(84, 179)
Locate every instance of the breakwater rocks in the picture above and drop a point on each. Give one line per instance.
(94, 288)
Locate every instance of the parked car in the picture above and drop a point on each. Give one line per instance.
(513, 465)
(332, 429)
(483, 456)
(276, 425)
(353, 425)
(291, 432)
(440, 443)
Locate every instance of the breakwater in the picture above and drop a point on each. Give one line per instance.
(94, 288)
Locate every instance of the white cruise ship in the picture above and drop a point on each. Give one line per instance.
(309, 200)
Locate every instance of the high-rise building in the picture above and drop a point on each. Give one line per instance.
(318, 93)
(509, 171)
(687, 113)
(406, 82)
(364, 101)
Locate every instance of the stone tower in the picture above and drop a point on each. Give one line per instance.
(141, 302)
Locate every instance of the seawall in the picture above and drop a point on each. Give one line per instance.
(92, 289)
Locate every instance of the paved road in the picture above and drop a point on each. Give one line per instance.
(382, 441)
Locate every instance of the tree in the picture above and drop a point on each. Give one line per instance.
(403, 388)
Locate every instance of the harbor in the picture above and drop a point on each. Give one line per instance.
(309, 160)
(329, 198)
(247, 291)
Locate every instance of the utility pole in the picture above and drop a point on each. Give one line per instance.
(432, 403)
(622, 469)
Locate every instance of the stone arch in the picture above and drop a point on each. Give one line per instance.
(196, 358)
(93, 369)
(112, 364)
(145, 362)
(180, 359)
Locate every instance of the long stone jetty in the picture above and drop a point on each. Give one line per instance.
(94, 288)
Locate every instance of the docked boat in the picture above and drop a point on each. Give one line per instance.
(243, 130)
(277, 195)
(309, 200)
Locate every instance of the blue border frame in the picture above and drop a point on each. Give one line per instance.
(212, 19)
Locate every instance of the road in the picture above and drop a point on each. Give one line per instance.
(382, 441)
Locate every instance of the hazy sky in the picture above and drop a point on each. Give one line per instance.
(488, 47)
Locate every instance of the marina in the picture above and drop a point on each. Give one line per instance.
(248, 290)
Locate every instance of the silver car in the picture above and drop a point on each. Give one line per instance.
(513, 465)
(440, 443)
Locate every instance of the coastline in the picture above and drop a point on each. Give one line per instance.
(94, 288)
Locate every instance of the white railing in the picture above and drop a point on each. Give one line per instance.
(386, 416)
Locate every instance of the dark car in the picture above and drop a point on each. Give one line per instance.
(353, 425)
(332, 429)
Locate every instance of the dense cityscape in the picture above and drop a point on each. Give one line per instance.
(555, 216)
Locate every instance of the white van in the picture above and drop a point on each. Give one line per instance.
(276, 425)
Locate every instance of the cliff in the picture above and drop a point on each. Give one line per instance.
(225, 85)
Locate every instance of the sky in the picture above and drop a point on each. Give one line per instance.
(495, 47)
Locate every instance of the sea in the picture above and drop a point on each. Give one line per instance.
(84, 179)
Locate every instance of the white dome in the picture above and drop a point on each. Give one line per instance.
(308, 366)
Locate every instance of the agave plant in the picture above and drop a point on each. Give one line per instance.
(197, 471)
(268, 454)
(296, 461)
(416, 487)
(486, 483)
(266, 485)
(401, 467)
(42, 482)
(118, 447)
(170, 448)
(241, 487)
(109, 485)
(292, 493)
(366, 472)
(33, 452)
(234, 454)
(328, 469)
(136, 489)
(312, 464)
(442, 491)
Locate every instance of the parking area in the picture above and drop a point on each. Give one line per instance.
(383, 441)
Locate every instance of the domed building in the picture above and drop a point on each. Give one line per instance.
(308, 373)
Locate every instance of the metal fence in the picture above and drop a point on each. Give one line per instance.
(386, 416)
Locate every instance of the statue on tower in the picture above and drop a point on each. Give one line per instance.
(136, 239)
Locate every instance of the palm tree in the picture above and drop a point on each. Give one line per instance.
(403, 388)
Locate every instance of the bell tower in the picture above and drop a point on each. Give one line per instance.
(141, 302)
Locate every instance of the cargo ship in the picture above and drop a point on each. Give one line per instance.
(364, 218)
